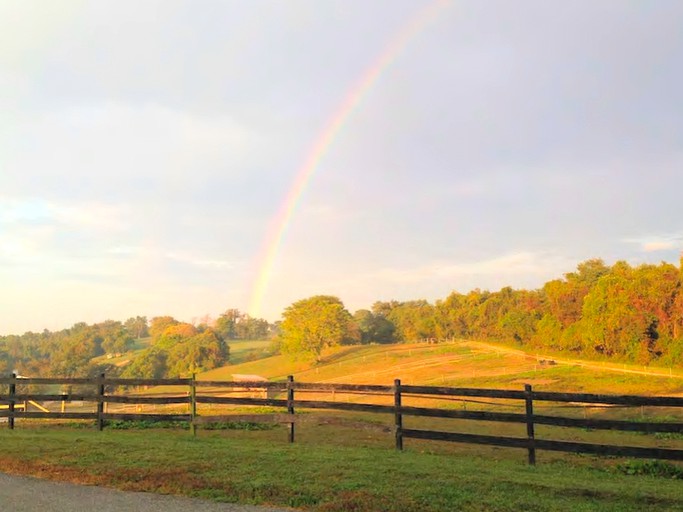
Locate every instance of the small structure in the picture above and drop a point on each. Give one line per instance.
(238, 377)
(257, 391)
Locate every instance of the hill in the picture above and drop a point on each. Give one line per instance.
(459, 363)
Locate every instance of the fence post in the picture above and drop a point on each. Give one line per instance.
(530, 423)
(290, 405)
(193, 404)
(398, 417)
(12, 392)
(100, 403)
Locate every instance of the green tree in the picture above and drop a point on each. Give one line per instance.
(226, 324)
(201, 352)
(373, 328)
(150, 364)
(311, 325)
(159, 324)
(137, 326)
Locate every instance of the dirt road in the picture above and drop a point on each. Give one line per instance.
(25, 494)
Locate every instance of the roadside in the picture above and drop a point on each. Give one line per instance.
(26, 494)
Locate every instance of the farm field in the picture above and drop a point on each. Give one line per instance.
(243, 466)
(139, 345)
(346, 461)
(242, 351)
(460, 363)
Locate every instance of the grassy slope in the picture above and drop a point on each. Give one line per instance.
(248, 350)
(349, 464)
(242, 467)
(458, 364)
(138, 346)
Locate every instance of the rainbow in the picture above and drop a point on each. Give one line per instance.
(278, 226)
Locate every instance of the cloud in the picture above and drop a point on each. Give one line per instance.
(199, 261)
(658, 246)
(125, 150)
(34, 210)
(510, 264)
(656, 243)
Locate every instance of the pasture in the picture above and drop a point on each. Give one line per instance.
(246, 467)
(345, 460)
(460, 363)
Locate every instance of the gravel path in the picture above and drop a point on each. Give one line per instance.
(26, 494)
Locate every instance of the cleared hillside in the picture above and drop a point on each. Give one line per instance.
(457, 364)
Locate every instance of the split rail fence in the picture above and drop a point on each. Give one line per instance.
(189, 388)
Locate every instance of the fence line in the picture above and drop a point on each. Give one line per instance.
(188, 394)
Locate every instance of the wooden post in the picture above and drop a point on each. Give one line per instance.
(100, 403)
(290, 405)
(12, 392)
(193, 404)
(530, 424)
(398, 417)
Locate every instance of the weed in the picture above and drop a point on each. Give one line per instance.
(656, 468)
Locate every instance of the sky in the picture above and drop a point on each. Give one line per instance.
(187, 157)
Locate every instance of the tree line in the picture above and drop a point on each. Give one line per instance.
(621, 312)
(174, 348)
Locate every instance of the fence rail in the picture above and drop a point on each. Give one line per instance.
(13, 406)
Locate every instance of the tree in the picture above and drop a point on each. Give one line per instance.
(201, 352)
(373, 328)
(414, 320)
(159, 324)
(311, 325)
(115, 337)
(150, 364)
(137, 326)
(226, 324)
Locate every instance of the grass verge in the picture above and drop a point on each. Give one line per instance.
(250, 469)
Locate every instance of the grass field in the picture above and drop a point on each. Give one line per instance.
(345, 461)
(138, 346)
(246, 467)
(248, 350)
(451, 364)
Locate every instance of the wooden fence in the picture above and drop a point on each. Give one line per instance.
(189, 387)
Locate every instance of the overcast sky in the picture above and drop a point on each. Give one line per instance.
(147, 146)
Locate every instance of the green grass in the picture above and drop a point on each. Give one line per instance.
(139, 344)
(579, 379)
(457, 364)
(242, 351)
(247, 467)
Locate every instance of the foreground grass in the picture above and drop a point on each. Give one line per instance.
(251, 469)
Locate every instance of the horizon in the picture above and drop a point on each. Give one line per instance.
(212, 316)
(250, 155)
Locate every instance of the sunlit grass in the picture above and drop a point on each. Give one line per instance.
(317, 473)
(345, 461)
(451, 364)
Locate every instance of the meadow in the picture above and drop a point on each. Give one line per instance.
(345, 461)
(245, 466)
(458, 363)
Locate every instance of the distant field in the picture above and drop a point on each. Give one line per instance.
(138, 346)
(248, 350)
(463, 364)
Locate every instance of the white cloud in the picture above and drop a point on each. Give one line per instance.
(199, 261)
(656, 243)
(104, 148)
(510, 264)
(658, 246)
(35, 210)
